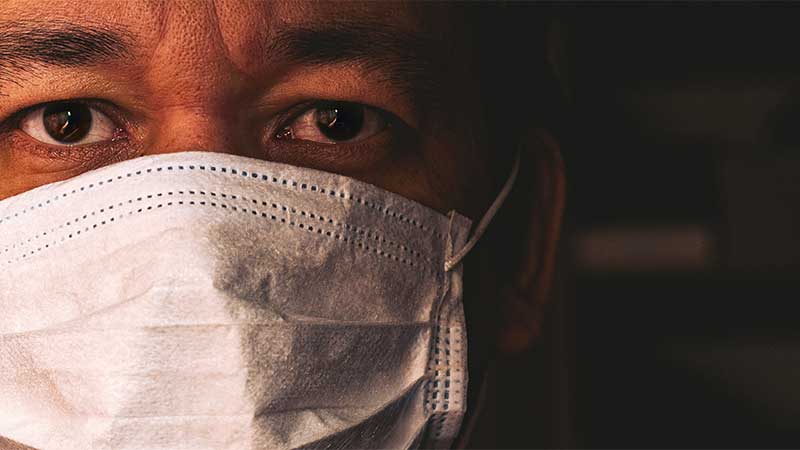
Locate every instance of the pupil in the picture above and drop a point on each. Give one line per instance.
(67, 122)
(340, 121)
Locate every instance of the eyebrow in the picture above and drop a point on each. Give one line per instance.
(60, 44)
(403, 58)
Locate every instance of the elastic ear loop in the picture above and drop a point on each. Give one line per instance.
(454, 260)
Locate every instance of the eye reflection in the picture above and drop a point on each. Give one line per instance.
(335, 122)
(68, 124)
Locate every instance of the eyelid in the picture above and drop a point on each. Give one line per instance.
(296, 111)
(102, 128)
(80, 157)
(105, 107)
(290, 114)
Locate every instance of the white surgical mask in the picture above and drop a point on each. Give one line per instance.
(207, 301)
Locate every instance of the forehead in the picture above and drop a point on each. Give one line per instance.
(201, 42)
(147, 16)
(238, 24)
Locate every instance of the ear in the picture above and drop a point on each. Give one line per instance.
(528, 290)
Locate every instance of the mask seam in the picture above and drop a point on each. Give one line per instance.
(296, 224)
(329, 192)
(357, 230)
(432, 390)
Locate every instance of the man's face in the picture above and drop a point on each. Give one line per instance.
(378, 92)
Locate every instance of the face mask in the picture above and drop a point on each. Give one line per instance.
(207, 301)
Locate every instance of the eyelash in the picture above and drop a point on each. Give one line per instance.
(296, 111)
(15, 120)
(281, 121)
(349, 156)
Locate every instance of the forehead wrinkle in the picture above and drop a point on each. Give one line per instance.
(393, 51)
(191, 62)
(386, 39)
(228, 47)
(242, 28)
(158, 35)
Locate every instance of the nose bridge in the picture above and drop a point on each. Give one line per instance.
(202, 127)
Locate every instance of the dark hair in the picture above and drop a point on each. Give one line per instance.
(512, 44)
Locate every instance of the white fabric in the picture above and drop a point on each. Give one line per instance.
(207, 301)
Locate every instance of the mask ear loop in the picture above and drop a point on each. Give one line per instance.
(454, 260)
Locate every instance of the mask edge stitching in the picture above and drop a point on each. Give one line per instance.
(342, 195)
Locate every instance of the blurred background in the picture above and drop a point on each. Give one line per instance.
(678, 318)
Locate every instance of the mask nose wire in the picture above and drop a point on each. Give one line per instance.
(454, 260)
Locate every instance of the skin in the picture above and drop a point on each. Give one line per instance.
(206, 75)
(197, 78)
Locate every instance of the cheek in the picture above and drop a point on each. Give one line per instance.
(26, 165)
(431, 174)
(454, 170)
(408, 176)
(22, 171)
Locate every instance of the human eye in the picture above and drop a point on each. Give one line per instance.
(342, 136)
(335, 122)
(55, 140)
(68, 124)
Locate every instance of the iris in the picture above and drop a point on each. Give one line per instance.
(67, 122)
(340, 121)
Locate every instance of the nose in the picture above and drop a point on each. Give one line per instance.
(196, 94)
(202, 128)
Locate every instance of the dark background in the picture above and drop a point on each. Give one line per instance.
(676, 321)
